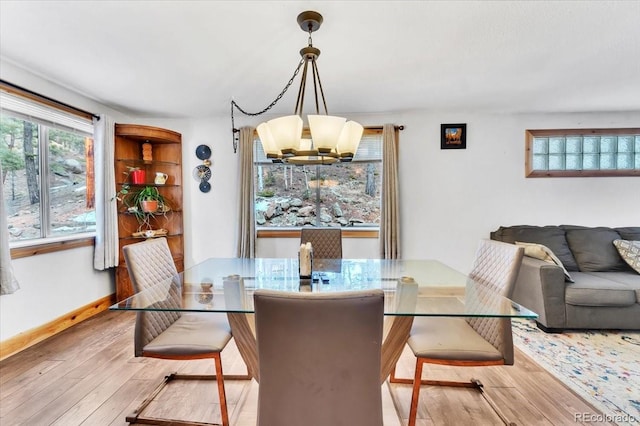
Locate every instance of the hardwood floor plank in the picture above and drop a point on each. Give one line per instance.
(27, 406)
(88, 375)
(145, 388)
(517, 408)
(75, 394)
(21, 381)
(114, 410)
(81, 409)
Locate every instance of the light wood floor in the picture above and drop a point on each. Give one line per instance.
(87, 375)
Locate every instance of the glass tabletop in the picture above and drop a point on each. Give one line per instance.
(411, 287)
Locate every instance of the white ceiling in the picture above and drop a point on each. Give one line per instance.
(190, 58)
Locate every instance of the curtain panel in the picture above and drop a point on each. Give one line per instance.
(246, 235)
(106, 246)
(8, 282)
(390, 209)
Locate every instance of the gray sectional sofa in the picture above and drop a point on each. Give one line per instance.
(605, 292)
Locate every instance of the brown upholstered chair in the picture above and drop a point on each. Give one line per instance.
(170, 334)
(473, 341)
(319, 356)
(326, 242)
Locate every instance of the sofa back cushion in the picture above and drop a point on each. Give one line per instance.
(593, 249)
(551, 236)
(631, 233)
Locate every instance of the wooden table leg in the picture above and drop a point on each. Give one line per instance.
(393, 344)
(243, 331)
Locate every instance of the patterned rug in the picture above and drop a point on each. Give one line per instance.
(603, 367)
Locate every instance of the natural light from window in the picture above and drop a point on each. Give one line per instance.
(337, 195)
(56, 203)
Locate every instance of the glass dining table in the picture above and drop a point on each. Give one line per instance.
(412, 288)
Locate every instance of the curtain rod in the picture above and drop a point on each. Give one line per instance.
(47, 98)
(400, 127)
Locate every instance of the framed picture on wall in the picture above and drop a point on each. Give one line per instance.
(453, 136)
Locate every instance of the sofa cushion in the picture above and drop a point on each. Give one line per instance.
(551, 236)
(629, 233)
(594, 251)
(630, 252)
(595, 289)
(630, 279)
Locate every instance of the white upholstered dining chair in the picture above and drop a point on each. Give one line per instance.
(170, 334)
(319, 356)
(473, 341)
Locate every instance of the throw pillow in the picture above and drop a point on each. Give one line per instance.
(542, 252)
(630, 252)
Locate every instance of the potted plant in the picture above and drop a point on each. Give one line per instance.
(144, 204)
(149, 200)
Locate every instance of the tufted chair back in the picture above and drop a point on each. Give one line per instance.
(326, 242)
(151, 268)
(495, 269)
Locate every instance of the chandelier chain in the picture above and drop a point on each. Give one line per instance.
(271, 105)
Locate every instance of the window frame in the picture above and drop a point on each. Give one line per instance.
(530, 134)
(294, 231)
(51, 243)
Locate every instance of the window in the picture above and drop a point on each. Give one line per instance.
(47, 170)
(337, 195)
(583, 152)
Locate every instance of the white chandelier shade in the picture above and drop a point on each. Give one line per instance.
(349, 139)
(325, 131)
(330, 136)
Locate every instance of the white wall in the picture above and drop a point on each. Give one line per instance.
(449, 198)
(51, 285)
(54, 284)
(452, 198)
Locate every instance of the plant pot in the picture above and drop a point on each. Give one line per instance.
(149, 206)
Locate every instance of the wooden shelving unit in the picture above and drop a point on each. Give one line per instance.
(166, 158)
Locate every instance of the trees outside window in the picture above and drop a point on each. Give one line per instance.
(58, 201)
(337, 195)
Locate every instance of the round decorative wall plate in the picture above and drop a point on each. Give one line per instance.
(203, 152)
(205, 186)
(202, 173)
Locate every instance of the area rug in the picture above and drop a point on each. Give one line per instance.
(603, 367)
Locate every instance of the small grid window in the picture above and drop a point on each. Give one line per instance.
(584, 152)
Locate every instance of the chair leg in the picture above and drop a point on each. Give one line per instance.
(492, 403)
(221, 392)
(417, 381)
(138, 418)
(394, 379)
(415, 396)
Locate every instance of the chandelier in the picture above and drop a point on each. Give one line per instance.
(333, 138)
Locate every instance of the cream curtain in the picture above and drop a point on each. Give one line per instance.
(106, 246)
(8, 282)
(246, 222)
(390, 215)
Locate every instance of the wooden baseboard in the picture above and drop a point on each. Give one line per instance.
(31, 337)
